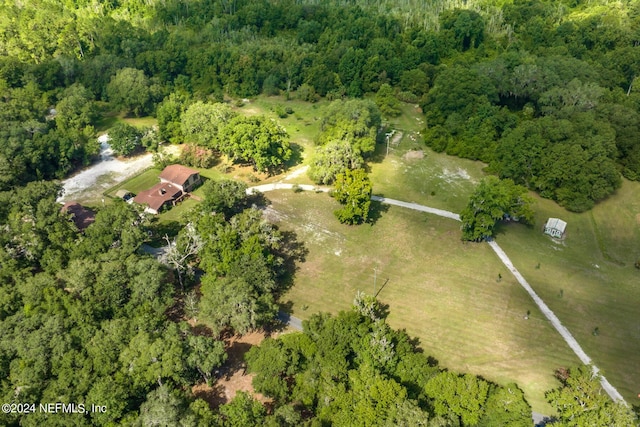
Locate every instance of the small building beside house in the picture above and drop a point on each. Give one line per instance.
(186, 179)
(555, 227)
(125, 195)
(82, 217)
(160, 195)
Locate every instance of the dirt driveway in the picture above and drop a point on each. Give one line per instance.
(89, 184)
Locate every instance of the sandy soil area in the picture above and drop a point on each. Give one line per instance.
(233, 376)
(107, 172)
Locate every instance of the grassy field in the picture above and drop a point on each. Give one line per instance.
(136, 184)
(447, 293)
(589, 280)
(303, 125)
(439, 289)
(413, 173)
(111, 118)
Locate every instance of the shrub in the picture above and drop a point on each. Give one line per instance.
(196, 156)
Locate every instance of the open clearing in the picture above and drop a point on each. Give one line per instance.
(439, 289)
(88, 185)
(589, 279)
(232, 376)
(448, 293)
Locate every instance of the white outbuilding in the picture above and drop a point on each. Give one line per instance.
(555, 227)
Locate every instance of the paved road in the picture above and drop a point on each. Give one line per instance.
(290, 320)
(562, 330)
(417, 207)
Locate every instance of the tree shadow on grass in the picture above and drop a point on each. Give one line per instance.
(161, 229)
(257, 199)
(296, 155)
(292, 251)
(376, 210)
(502, 227)
(281, 322)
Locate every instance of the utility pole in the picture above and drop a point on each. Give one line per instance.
(387, 145)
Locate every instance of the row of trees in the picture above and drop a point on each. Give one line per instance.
(487, 80)
(215, 127)
(546, 123)
(353, 369)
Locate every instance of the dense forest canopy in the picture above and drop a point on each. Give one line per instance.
(544, 92)
(551, 80)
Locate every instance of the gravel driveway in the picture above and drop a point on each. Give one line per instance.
(107, 172)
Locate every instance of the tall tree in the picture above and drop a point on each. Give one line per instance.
(353, 190)
(124, 139)
(256, 140)
(333, 159)
(202, 123)
(129, 91)
(492, 201)
(581, 401)
(354, 121)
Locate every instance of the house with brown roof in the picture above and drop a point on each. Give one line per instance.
(181, 176)
(160, 195)
(82, 217)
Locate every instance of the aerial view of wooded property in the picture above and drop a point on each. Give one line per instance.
(320, 212)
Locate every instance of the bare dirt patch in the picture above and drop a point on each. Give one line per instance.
(454, 175)
(91, 182)
(413, 155)
(232, 376)
(296, 173)
(273, 215)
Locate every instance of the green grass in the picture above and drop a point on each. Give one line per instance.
(440, 290)
(109, 119)
(589, 280)
(303, 125)
(143, 181)
(176, 212)
(436, 179)
(446, 292)
(140, 122)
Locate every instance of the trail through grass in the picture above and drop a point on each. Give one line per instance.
(439, 289)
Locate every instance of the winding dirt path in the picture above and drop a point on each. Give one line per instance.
(549, 314)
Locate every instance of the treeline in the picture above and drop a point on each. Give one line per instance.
(354, 370)
(543, 92)
(83, 318)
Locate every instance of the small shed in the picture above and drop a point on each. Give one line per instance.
(555, 227)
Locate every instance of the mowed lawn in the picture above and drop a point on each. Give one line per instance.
(445, 292)
(589, 280)
(303, 125)
(138, 183)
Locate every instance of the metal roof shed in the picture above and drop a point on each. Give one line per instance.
(555, 227)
